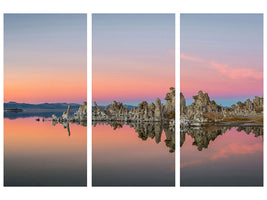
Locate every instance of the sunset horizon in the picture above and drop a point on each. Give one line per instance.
(133, 57)
(45, 58)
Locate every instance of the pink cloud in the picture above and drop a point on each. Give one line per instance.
(182, 56)
(238, 73)
(233, 73)
(236, 148)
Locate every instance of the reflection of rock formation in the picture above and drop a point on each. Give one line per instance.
(170, 138)
(256, 130)
(147, 130)
(154, 112)
(182, 138)
(67, 126)
(204, 110)
(203, 136)
(79, 117)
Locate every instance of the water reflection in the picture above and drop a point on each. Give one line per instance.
(203, 135)
(222, 156)
(67, 126)
(147, 130)
(39, 154)
(133, 154)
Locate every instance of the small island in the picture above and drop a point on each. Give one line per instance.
(13, 110)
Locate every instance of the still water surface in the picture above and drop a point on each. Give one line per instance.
(40, 154)
(222, 156)
(133, 156)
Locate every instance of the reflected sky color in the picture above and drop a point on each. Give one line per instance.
(120, 157)
(233, 158)
(37, 153)
(222, 54)
(133, 57)
(45, 58)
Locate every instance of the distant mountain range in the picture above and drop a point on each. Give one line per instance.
(103, 107)
(26, 106)
(59, 106)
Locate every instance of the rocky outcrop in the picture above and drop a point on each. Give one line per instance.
(204, 110)
(145, 112)
(169, 108)
(201, 106)
(158, 110)
(79, 116)
(182, 104)
(247, 108)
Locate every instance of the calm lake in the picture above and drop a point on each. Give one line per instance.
(132, 155)
(42, 154)
(222, 156)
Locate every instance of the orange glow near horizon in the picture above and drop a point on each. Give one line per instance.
(132, 87)
(45, 58)
(133, 57)
(45, 87)
(131, 83)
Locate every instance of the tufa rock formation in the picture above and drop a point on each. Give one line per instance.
(182, 105)
(79, 116)
(154, 112)
(158, 110)
(203, 110)
(169, 108)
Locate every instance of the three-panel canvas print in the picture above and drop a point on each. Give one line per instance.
(133, 112)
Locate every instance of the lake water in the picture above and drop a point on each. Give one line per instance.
(222, 156)
(132, 155)
(42, 154)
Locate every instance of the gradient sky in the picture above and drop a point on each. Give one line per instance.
(45, 58)
(222, 54)
(133, 57)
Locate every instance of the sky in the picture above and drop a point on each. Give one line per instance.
(45, 58)
(221, 54)
(133, 57)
